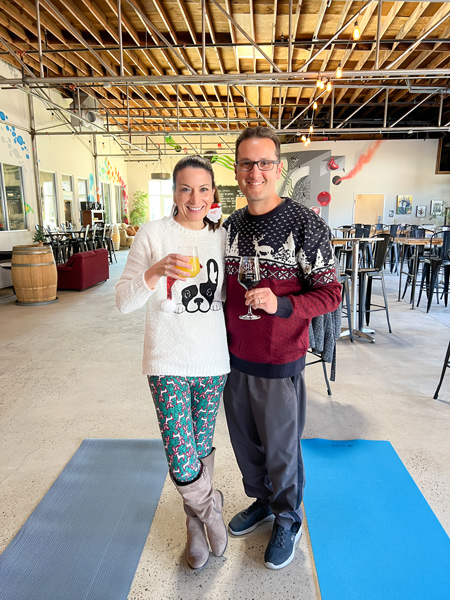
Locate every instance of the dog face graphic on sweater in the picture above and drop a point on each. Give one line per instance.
(195, 297)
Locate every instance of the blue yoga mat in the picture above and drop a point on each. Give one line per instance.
(373, 534)
(85, 537)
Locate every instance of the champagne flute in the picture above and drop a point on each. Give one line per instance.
(249, 277)
(191, 253)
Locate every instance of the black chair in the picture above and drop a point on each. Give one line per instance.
(366, 275)
(444, 369)
(431, 269)
(91, 238)
(109, 243)
(60, 246)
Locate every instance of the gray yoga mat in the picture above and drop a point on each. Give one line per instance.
(84, 539)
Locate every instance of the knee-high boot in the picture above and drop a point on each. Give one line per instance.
(206, 503)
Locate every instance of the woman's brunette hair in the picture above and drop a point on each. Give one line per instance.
(196, 162)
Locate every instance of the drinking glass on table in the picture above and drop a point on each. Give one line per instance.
(249, 277)
(191, 254)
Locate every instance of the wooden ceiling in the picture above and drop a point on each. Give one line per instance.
(183, 67)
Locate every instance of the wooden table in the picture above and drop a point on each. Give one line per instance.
(361, 332)
(415, 243)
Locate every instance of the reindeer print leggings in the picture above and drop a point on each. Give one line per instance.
(187, 410)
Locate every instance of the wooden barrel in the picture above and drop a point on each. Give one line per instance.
(34, 274)
(116, 237)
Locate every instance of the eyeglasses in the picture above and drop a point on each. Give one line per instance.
(263, 165)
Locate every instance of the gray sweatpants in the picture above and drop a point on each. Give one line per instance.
(265, 420)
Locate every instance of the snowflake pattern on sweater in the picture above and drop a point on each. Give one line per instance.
(297, 263)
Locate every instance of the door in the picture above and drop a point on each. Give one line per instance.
(368, 209)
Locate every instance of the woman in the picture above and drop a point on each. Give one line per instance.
(185, 350)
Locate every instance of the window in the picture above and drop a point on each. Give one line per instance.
(67, 186)
(106, 202)
(160, 198)
(82, 189)
(119, 203)
(48, 193)
(12, 202)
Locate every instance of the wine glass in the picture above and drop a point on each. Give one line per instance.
(249, 277)
(191, 253)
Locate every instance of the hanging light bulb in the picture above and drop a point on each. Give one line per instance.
(322, 84)
(308, 141)
(356, 32)
(303, 138)
(311, 128)
(329, 86)
(319, 82)
(315, 106)
(339, 72)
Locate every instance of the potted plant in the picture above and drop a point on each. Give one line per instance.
(138, 215)
(39, 235)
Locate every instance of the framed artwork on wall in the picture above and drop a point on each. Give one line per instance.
(447, 217)
(404, 205)
(421, 211)
(437, 208)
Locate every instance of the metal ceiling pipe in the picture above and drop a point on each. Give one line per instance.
(402, 56)
(411, 110)
(38, 26)
(119, 17)
(77, 35)
(377, 46)
(149, 24)
(244, 33)
(254, 108)
(357, 110)
(271, 79)
(331, 40)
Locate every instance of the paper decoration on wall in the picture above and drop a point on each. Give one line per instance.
(171, 142)
(16, 139)
(224, 160)
(324, 198)
(364, 159)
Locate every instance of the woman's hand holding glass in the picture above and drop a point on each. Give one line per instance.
(176, 266)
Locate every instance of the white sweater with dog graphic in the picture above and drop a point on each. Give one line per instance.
(184, 324)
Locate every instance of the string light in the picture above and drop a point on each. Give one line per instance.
(320, 84)
(311, 128)
(329, 86)
(315, 106)
(339, 72)
(303, 138)
(356, 32)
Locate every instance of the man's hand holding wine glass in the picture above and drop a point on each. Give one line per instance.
(262, 298)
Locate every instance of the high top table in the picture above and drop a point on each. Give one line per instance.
(415, 243)
(362, 332)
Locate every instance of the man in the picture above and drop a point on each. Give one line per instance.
(264, 397)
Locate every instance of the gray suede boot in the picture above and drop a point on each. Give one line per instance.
(208, 462)
(197, 549)
(206, 504)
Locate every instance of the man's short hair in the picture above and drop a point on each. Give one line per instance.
(259, 132)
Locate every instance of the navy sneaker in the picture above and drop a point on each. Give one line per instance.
(281, 549)
(247, 520)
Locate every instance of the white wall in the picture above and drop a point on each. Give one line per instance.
(398, 167)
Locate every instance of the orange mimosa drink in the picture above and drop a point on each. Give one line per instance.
(191, 254)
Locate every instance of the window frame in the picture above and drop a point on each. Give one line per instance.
(4, 198)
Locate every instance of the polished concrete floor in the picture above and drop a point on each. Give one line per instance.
(71, 370)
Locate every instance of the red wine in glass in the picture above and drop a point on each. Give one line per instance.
(249, 277)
